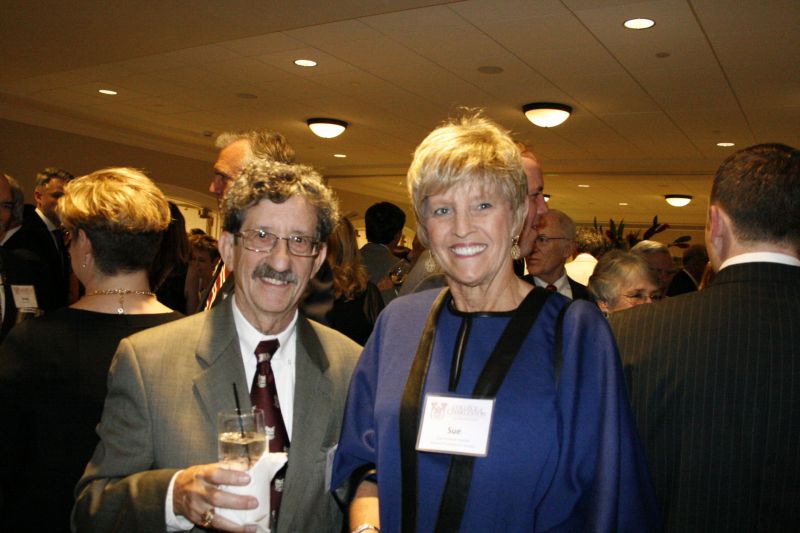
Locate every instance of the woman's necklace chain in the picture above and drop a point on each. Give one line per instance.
(121, 293)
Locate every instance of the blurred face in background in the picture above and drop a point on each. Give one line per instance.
(661, 262)
(536, 204)
(201, 262)
(550, 251)
(229, 164)
(6, 205)
(47, 196)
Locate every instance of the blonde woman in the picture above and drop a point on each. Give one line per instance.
(53, 368)
(467, 412)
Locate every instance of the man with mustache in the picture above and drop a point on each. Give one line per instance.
(155, 466)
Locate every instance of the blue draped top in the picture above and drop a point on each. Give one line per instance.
(563, 456)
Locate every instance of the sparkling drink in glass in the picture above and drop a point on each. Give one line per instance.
(242, 439)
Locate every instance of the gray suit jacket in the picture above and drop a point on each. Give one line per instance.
(165, 389)
(714, 380)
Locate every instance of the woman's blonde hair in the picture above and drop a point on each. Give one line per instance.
(471, 149)
(349, 274)
(123, 214)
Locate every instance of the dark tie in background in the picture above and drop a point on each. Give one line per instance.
(551, 288)
(264, 395)
(58, 235)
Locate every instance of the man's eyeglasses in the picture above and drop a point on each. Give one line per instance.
(259, 240)
(544, 239)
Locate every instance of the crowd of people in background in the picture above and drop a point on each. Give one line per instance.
(498, 297)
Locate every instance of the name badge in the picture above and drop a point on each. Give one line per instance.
(455, 425)
(24, 296)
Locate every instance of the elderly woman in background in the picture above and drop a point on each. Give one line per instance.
(357, 301)
(53, 368)
(622, 280)
(483, 406)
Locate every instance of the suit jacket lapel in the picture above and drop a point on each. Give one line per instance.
(220, 364)
(312, 410)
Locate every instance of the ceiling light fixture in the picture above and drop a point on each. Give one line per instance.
(327, 128)
(107, 91)
(546, 197)
(583, 186)
(678, 200)
(547, 114)
(340, 156)
(725, 145)
(639, 24)
(623, 203)
(305, 62)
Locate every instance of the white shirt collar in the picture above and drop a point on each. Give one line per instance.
(249, 336)
(47, 222)
(761, 257)
(561, 285)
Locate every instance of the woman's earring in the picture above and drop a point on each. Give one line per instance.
(515, 251)
(430, 264)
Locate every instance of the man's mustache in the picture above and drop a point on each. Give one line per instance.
(266, 271)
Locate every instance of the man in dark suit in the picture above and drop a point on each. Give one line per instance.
(554, 244)
(155, 466)
(20, 268)
(688, 278)
(714, 375)
(39, 233)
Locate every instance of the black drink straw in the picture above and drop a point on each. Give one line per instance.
(241, 424)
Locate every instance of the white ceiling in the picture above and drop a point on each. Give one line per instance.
(650, 105)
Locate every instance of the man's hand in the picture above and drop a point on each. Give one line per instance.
(196, 492)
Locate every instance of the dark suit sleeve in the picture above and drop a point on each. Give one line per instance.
(118, 491)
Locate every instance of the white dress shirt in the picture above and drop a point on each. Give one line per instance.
(283, 367)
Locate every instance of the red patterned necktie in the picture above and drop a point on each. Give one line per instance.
(264, 395)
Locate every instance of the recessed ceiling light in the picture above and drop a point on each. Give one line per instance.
(725, 145)
(107, 91)
(639, 24)
(340, 155)
(305, 62)
(546, 197)
(623, 203)
(583, 186)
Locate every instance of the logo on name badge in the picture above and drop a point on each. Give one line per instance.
(438, 409)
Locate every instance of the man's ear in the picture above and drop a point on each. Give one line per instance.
(321, 255)
(226, 247)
